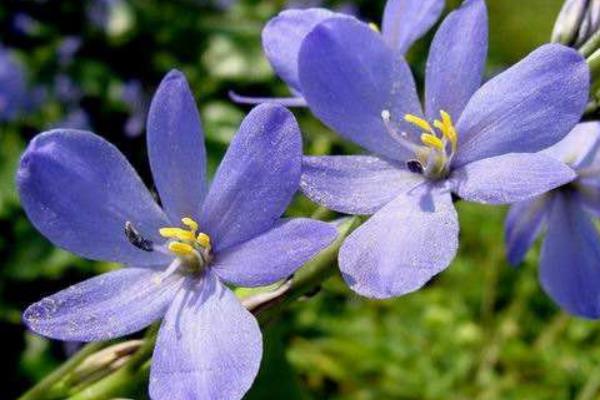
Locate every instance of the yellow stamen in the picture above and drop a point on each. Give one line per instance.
(190, 223)
(420, 122)
(449, 131)
(181, 249)
(203, 240)
(177, 233)
(374, 26)
(432, 141)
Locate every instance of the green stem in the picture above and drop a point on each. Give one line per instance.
(40, 391)
(594, 63)
(312, 274)
(591, 45)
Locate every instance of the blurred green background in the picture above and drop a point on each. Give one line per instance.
(482, 330)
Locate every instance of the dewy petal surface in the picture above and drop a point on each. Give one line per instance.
(176, 148)
(405, 21)
(402, 246)
(510, 178)
(79, 190)
(569, 268)
(456, 64)
(275, 254)
(354, 184)
(527, 108)
(209, 346)
(110, 305)
(523, 224)
(283, 36)
(349, 76)
(256, 179)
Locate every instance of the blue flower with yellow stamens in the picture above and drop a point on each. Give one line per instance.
(84, 196)
(471, 140)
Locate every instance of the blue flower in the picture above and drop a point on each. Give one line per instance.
(83, 195)
(14, 96)
(404, 21)
(470, 141)
(570, 261)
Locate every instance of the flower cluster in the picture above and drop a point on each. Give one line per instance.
(515, 139)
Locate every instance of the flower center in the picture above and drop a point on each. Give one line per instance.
(434, 154)
(191, 247)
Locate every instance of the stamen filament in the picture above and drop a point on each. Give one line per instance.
(399, 137)
(169, 271)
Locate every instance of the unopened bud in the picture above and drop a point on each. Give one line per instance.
(577, 22)
(104, 362)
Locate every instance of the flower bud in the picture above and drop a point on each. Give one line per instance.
(103, 362)
(577, 22)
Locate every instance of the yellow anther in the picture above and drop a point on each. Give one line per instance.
(177, 233)
(374, 26)
(432, 141)
(190, 223)
(449, 130)
(203, 240)
(446, 118)
(181, 249)
(420, 122)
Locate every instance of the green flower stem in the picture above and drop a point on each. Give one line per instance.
(42, 389)
(594, 63)
(310, 276)
(134, 373)
(591, 45)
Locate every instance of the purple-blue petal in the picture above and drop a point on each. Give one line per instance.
(350, 76)
(510, 178)
(110, 305)
(402, 246)
(405, 21)
(569, 265)
(256, 179)
(274, 255)
(523, 224)
(79, 191)
(294, 101)
(176, 148)
(527, 108)
(283, 36)
(354, 184)
(209, 346)
(457, 60)
(588, 194)
(579, 148)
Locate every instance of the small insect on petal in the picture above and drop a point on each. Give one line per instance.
(136, 239)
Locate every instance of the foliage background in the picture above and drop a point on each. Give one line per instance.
(482, 330)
